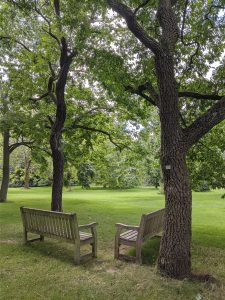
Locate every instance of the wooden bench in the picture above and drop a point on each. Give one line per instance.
(61, 226)
(151, 225)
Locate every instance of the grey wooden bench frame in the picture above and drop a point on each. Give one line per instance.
(150, 225)
(59, 225)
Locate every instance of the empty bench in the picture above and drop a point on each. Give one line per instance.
(59, 225)
(151, 225)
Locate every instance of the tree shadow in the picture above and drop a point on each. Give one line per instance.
(149, 251)
(61, 251)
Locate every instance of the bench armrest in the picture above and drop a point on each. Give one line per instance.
(90, 225)
(125, 226)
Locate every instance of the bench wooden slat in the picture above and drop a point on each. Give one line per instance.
(84, 236)
(58, 225)
(129, 235)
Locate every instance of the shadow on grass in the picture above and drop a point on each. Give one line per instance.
(149, 251)
(60, 251)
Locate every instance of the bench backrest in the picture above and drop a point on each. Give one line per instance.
(50, 223)
(152, 224)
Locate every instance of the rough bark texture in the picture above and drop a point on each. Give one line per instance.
(57, 127)
(174, 258)
(175, 251)
(5, 169)
(65, 61)
(58, 161)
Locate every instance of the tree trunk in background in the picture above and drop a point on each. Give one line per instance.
(27, 172)
(58, 168)
(5, 171)
(65, 60)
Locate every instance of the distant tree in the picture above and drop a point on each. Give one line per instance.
(14, 129)
(85, 173)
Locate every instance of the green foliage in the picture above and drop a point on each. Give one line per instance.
(36, 179)
(85, 173)
(201, 186)
(206, 160)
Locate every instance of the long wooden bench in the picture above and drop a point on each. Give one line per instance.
(151, 225)
(61, 226)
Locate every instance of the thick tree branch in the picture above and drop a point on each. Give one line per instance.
(204, 123)
(190, 94)
(18, 144)
(130, 18)
(140, 92)
(145, 2)
(152, 99)
(118, 145)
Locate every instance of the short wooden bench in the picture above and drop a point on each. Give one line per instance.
(61, 226)
(151, 225)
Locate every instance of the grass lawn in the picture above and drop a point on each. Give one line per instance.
(46, 270)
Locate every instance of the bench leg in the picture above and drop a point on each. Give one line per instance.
(25, 237)
(41, 238)
(117, 247)
(77, 254)
(138, 254)
(94, 249)
(94, 244)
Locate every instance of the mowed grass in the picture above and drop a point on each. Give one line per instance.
(46, 270)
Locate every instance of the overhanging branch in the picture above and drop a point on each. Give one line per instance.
(130, 18)
(118, 145)
(145, 2)
(152, 99)
(204, 123)
(18, 144)
(190, 94)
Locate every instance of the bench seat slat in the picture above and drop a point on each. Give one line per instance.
(85, 236)
(130, 235)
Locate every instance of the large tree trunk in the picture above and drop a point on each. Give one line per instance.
(174, 258)
(5, 173)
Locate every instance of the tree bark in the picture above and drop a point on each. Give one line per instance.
(58, 162)
(5, 173)
(174, 258)
(57, 127)
(65, 60)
